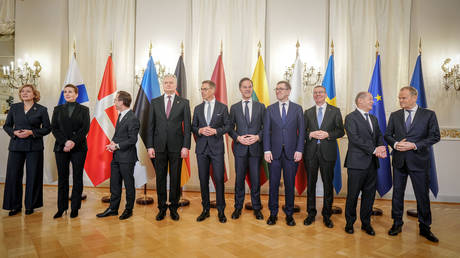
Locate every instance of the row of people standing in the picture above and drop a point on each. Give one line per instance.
(280, 134)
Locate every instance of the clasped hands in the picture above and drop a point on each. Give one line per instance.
(404, 145)
(248, 139)
(111, 147)
(69, 145)
(23, 133)
(381, 152)
(320, 135)
(207, 131)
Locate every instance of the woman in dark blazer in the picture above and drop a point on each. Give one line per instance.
(26, 123)
(70, 125)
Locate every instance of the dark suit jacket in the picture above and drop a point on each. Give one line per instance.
(74, 128)
(332, 124)
(126, 137)
(424, 132)
(361, 141)
(292, 131)
(220, 121)
(36, 119)
(164, 131)
(242, 127)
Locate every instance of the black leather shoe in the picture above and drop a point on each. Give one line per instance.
(222, 218)
(204, 214)
(368, 229)
(328, 222)
(14, 212)
(161, 215)
(29, 211)
(395, 230)
(59, 214)
(272, 220)
(429, 235)
(106, 213)
(74, 213)
(349, 228)
(174, 215)
(126, 214)
(290, 221)
(236, 214)
(308, 220)
(258, 214)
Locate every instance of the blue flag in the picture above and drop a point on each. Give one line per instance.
(329, 84)
(384, 181)
(74, 77)
(417, 82)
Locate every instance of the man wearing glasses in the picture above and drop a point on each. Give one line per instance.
(284, 131)
(210, 123)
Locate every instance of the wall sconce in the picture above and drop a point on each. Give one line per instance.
(451, 75)
(16, 75)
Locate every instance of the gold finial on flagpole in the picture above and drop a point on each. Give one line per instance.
(150, 48)
(259, 46)
(182, 48)
(297, 45)
(420, 46)
(377, 45)
(332, 47)
(221, 47)
(74, 49)
(111, 47)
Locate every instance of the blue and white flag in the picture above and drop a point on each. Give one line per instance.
(74, 77)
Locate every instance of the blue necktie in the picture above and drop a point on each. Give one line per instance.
(208, 113)
(246, 112)
(320, 119)
(408, 120)
(283, 113)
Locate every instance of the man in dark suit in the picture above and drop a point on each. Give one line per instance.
(168, 142)
(323, 126)
(365, 146)
(411, 132)
(210, 123)
(247, 116)
(123, 146)
(284, 137)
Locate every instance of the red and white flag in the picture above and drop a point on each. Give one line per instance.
(102, 128)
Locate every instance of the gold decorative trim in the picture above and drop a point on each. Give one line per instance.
(450, 133)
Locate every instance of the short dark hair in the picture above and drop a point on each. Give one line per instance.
(75, 89)
(210, 83)
(412, 90)
(320, 86)
(245, 79)
(125, 97)
(360, 95)
(288, 85)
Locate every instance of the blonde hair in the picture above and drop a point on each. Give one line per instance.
(34, 90)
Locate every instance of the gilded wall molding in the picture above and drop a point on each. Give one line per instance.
(450, 133)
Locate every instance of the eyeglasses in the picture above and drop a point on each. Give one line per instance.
(204, 89)
(280, 89)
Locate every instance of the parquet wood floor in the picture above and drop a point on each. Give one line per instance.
(39, 235)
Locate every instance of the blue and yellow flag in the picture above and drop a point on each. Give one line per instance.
(417, 82)
(384, 181)
(329, 84)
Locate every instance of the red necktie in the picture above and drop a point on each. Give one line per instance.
(168, 107)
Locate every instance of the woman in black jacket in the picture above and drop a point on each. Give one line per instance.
(70, 125)
(26, 123)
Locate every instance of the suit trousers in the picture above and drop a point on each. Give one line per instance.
(12, 198)
(244, 165)
(204, 161)
(63, 160)
(420, 182)
(122, 172)
(364, 181)
(289, 171)
(327, 175)
(162, 160)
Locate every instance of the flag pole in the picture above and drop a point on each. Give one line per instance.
(182, 201)
(146, 200)
(74, 47)
(414, 212)
(106, 199)
(376, 211)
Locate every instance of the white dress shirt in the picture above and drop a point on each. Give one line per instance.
(207, 105)
(123, 113)
(363, 114)
(166, 100)
(285, 107)
(249, 107)
(322, 110)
